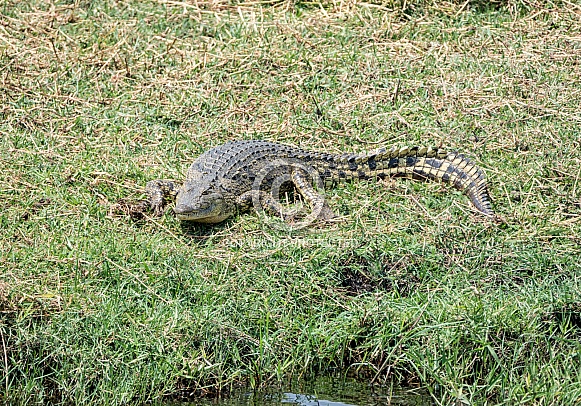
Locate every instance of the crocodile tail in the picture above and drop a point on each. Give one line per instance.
(417, 162)
(436, 164)
(460, 172)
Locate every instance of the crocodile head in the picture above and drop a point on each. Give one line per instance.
(200, 199)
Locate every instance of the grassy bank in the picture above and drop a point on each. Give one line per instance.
(410, 286)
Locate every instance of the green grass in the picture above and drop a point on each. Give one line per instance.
(97, 98)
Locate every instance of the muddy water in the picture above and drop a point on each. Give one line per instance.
(321, 392)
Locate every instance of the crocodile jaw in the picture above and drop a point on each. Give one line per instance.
(206, 209)
(207, 220)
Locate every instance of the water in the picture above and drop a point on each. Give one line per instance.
(321, 392)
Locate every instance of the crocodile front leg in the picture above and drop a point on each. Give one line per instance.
(160, 192)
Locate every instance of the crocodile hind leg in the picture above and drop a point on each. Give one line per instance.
(320, 207)
(261, 201)
(264, 201)
(160, 192)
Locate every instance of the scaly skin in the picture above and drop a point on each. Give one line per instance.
(235, 175)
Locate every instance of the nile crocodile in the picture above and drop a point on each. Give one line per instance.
(234, 176)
